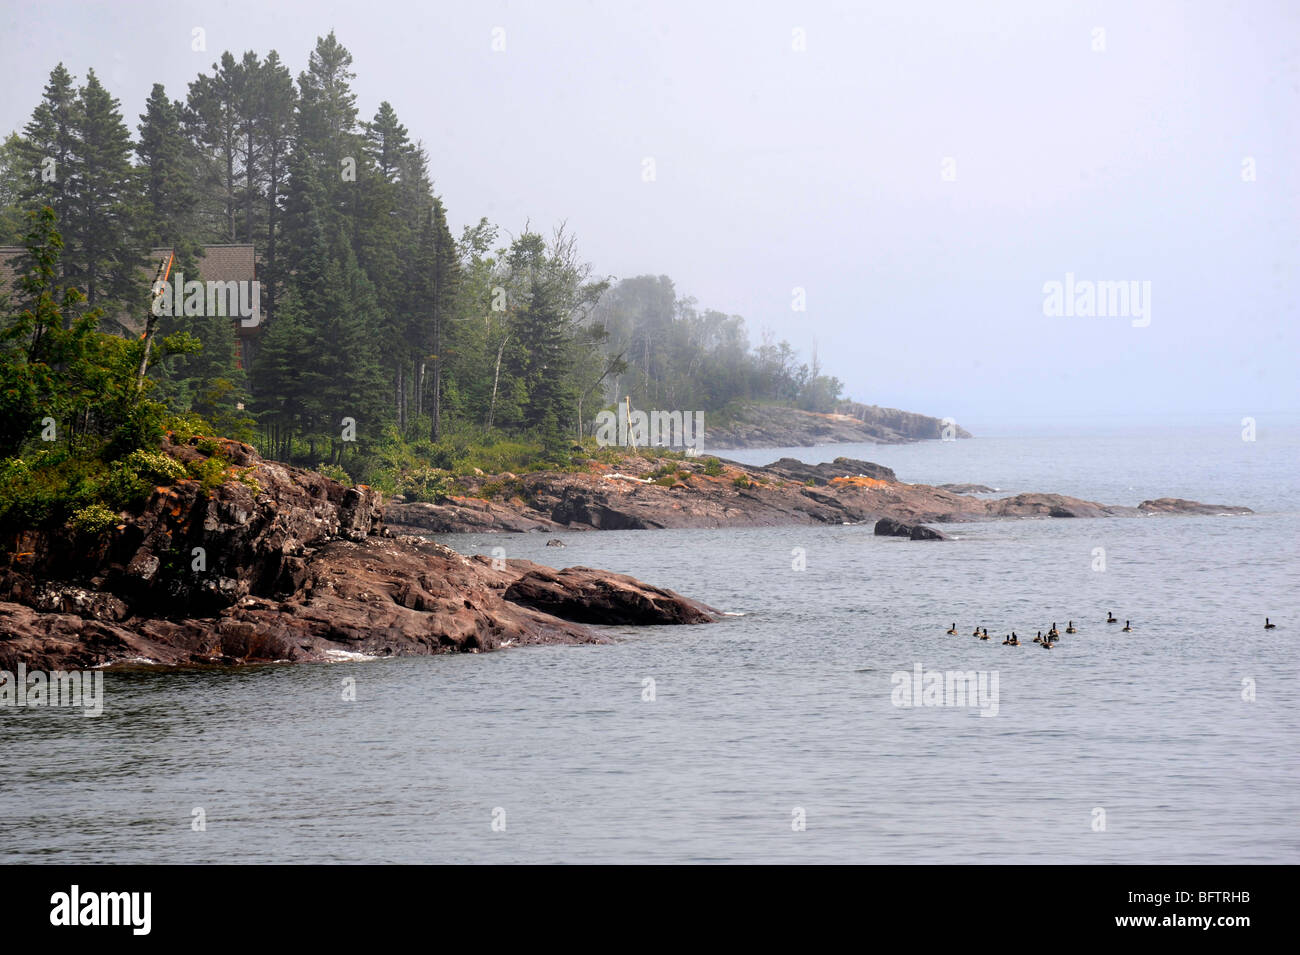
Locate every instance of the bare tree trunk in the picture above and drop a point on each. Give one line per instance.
(151, 323)
(435, 430)
(399, 390)
(496, 379)
(419, 390)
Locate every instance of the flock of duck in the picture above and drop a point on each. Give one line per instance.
(1047, 640)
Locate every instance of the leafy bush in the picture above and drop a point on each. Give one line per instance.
(93, 518)
(335, 473)
(210, 472)
(712, 467)
(429, 485)
(129, 482)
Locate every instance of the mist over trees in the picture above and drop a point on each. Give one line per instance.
(374, 311)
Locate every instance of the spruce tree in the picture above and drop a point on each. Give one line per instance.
(99, 228)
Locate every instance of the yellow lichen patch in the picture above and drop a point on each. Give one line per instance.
(859, 481)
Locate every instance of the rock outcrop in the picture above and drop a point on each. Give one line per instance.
(592, 596)
(775, 426)
(623, 496)
(820, 475)
(888, 527)
(1176, 505)
(283, 564)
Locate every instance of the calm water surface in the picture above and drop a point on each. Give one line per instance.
(787, 706)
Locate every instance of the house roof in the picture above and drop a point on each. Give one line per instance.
(233, 262)
(8, 273)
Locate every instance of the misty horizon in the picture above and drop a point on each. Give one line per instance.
(920, 176)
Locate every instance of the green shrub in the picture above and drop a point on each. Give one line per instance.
(712, 467)
(210, 472)
(94, 518)
(159, 467)
(426, 484)
(335, 473)
(129, 482)
(741, 480)
(186, 426)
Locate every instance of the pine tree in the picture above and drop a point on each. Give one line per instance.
(276, 100)
(99, 227)
(327, 122)
(169, 171)
(438, 267)
(213, 119)
(13, 180)
(49, 148)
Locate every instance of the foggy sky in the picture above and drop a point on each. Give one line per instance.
(822, 170)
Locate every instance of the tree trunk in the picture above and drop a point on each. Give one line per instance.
(496, 378)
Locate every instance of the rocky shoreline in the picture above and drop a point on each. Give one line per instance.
(775, 426)
(285, 565)
(280, 564)
(640, 493)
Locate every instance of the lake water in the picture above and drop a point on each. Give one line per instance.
(787, 709)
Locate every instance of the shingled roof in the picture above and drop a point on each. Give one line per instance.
(219, 263)
(8, 272)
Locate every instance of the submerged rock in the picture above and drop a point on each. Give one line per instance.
(888, 527)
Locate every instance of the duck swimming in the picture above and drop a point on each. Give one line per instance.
(1046, 644)
(1070, 628)
(1110, 617)
(1011, 641)
(1127, 628)
(976, 633)
(1039, 638)
(984, 635)
(953, 631)
(1269, 626)
(1053, 632)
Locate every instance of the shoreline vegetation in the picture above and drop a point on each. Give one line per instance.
(173, 492)
(383, 340)
(129, 534)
